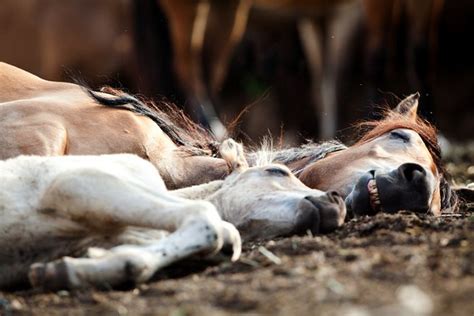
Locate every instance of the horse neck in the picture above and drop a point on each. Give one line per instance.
(177, 166)
(186, 171)
(199, 192)
(319, 174)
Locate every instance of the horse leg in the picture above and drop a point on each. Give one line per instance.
(423, 19)
(200, 85)
(379, 20)
(226, 27)
(341, 29)
(103, 203)
(312, 38)
(188, 22)
(326, 52)
(133, 264)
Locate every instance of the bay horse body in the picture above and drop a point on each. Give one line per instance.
(39, 117)
(399, 152)
(53, 207)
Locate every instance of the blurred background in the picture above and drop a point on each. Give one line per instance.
(293, 68)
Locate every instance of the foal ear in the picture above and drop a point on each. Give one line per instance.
(409, 106)
(233, 154)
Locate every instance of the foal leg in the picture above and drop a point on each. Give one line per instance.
(100, 200)
(129, 264)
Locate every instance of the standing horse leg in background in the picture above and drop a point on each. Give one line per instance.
(155, 74)
(121, 202)
(327, 48)
(220, 43)
(382, 21)
(379, 17)
(188, 22)
(182, 18)
(423, 19)
(311, 36)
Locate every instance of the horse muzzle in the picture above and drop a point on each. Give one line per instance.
(320, 214)
(408, 187)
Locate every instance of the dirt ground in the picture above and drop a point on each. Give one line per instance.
(401, 264)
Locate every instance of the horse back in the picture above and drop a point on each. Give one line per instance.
(40, 117)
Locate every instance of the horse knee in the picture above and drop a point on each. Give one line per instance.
(206, 225)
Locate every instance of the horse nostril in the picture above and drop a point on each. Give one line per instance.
(325, 215)
(310, 198)
(408, 170)
(333, 196)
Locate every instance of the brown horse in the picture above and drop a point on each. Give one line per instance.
(55, 118)
(395, 165)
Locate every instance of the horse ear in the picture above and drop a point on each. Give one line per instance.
(409, 106)
(233, 154)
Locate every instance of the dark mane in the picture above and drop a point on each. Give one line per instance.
(427, 132)
(191, 137)
(266, 154)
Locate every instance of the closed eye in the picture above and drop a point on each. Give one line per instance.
(400, 135)
(278, 172)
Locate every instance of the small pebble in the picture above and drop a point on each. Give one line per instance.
(415, 300)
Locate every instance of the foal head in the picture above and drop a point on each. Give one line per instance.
(396, 165)
(268, 200)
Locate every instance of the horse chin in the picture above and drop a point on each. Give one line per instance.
(364, 198)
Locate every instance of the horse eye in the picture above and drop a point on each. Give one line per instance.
(278, 172)
(400, 135)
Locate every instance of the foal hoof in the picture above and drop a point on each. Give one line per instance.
(232, 241)
(49, 276)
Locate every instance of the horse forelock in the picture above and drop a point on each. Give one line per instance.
(263, 155)
(190, 136)
(427, 132)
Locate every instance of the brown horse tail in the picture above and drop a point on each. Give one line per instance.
(174, 123)
(128, 102)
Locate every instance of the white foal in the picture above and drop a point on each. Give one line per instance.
(52, 207)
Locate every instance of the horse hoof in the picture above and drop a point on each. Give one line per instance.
(37, 274)
(49, 276)
(232, 241)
